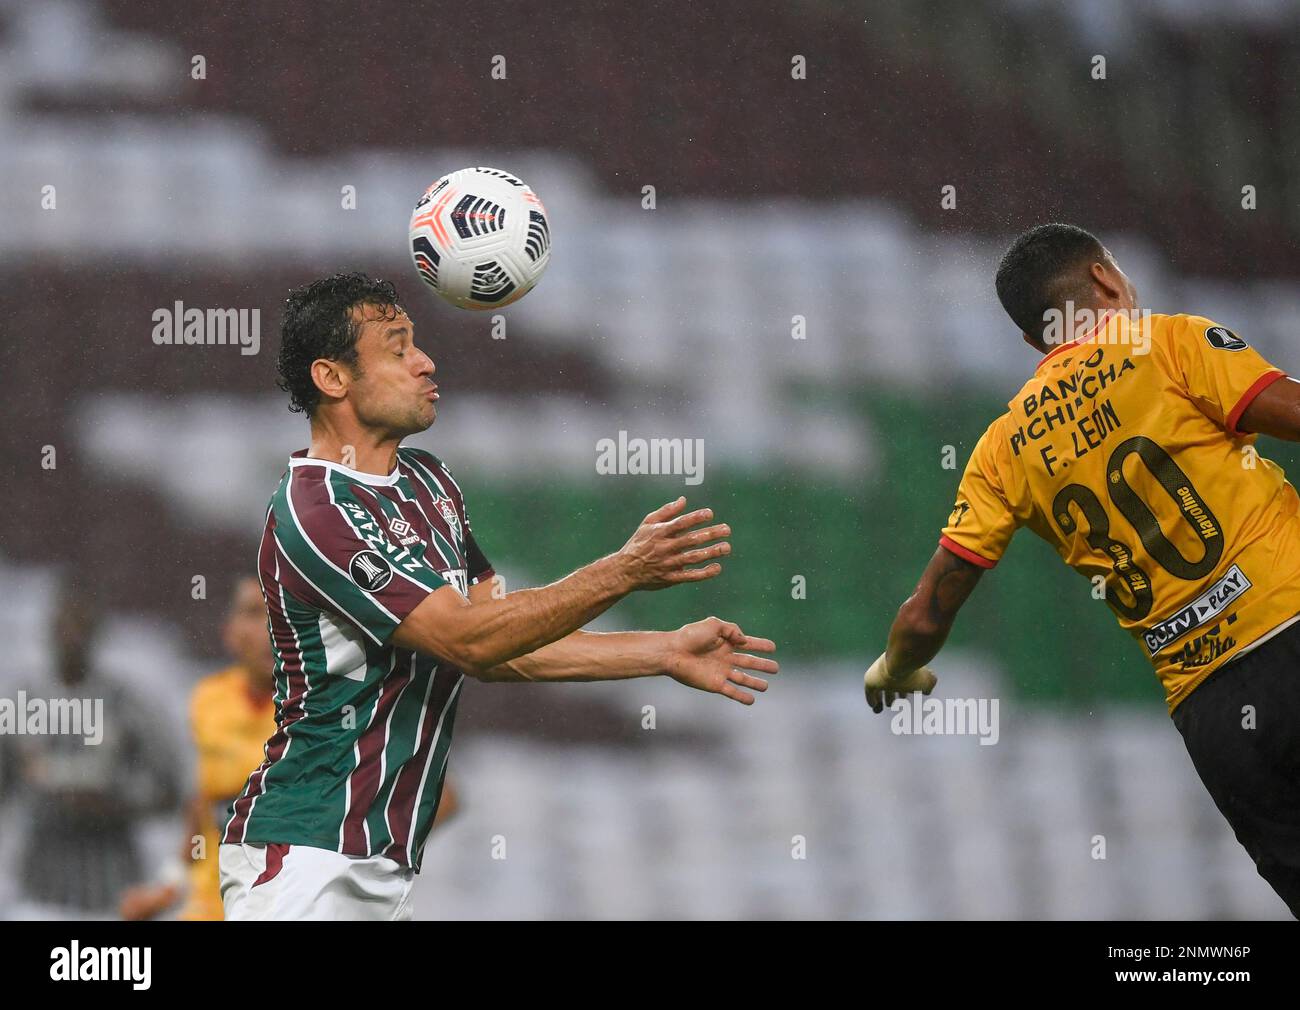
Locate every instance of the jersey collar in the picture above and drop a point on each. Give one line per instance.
(300, 458)
(1102, 320)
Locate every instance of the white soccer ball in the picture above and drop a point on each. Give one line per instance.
(480, 238)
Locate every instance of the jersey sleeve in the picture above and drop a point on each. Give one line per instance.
(478, 567)
(983, 518)
(1218, 370)
(338, 550)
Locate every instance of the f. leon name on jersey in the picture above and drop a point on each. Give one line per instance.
(1070, 402)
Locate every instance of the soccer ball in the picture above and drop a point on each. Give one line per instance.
(480, 238)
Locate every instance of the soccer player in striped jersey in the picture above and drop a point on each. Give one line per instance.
(380, 600)
(1131, 451)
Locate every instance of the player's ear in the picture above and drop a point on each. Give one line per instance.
(331, 378)
(1106, 280)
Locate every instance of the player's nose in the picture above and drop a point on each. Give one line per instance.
(424, 365)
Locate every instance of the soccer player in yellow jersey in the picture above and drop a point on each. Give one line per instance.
(1131, 451)
(232, 713)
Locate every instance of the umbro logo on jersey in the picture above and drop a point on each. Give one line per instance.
(370, 571)
(1224, 339)
(404, 532)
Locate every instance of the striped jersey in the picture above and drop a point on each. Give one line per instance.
(363, 728)
(1122, 451)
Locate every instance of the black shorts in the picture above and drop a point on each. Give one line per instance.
(1242, 730)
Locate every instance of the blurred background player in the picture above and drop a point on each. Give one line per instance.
(1130, 450)
(232, 715)
(78, 846)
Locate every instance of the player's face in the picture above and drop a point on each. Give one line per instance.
(245, 633)
(394, 391)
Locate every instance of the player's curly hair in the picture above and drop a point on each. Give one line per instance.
(318, 323)
(1043, 268)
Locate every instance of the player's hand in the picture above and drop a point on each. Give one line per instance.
(704, 656)
(883, 686)
(669, 541)
(147, 900)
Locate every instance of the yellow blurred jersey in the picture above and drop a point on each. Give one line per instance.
(1122, 452)
(230, 727)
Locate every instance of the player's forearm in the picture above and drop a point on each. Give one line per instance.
(913, 642)
(589, 656)
(923, 622)
(477, 634)
(499, 630)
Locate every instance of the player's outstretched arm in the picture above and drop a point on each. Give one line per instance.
(704, 655)
(478, 635)
(920, 629)
(1275, 411)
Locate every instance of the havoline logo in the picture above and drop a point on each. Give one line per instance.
(370, 571)
(1210, 604)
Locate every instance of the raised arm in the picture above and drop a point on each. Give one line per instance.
(485, 632)
(920, 629)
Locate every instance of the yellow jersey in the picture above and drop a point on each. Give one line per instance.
(230, 727)
(1123, 453)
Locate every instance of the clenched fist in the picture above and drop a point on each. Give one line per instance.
(882, 686)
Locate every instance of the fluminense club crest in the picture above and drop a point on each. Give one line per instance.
(448, 511)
